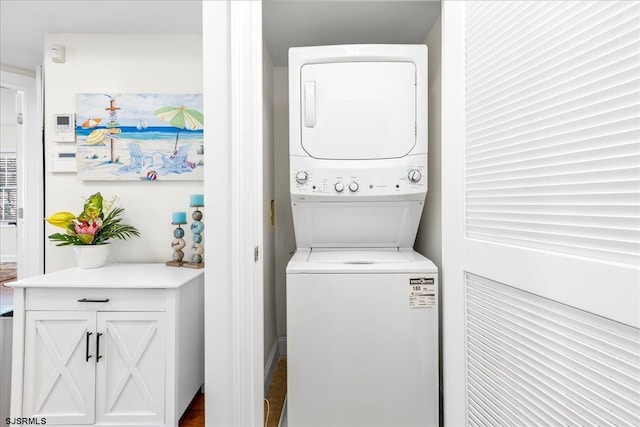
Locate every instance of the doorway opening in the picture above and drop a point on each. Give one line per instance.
(9, 140)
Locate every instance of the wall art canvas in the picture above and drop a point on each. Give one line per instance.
(140, 137)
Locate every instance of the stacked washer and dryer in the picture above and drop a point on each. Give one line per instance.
(362, 306)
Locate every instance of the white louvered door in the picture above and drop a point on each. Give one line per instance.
(541, 213)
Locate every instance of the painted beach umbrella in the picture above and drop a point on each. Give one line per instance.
(91, 123)
(96, 137)
(180, 118)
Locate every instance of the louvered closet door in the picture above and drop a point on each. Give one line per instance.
(541, 213)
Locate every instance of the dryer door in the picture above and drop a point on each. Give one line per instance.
(358, 110)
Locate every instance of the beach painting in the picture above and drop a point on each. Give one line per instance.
(139, 137)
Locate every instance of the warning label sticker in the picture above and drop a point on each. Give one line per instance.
(422, 292)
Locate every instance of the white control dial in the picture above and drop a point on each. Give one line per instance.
(353, 187)
(414, 175)
(339, 187)
(302, 177)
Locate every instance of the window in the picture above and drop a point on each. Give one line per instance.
(8, 187)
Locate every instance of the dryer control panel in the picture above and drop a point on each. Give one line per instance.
(410, 179)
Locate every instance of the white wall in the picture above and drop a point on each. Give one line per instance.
(429, 237)
(285, 238)
(8, 125)
(8, 243)
(268, 230)
(122, 63)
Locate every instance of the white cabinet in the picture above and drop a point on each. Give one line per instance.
(59, 382)
(130, 379)
(108, 356)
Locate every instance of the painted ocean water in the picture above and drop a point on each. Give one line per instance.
(141, 154)
(132, 132)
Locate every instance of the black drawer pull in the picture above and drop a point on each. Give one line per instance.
(98, 357)
(87, 355)
(93, 300)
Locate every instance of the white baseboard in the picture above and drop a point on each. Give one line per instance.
(282, 344)
(270, 366)
(8, 258)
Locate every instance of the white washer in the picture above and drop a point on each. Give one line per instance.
(362, 313)
(362, 339)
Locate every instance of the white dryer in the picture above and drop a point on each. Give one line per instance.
(362, 312)
(357, 144)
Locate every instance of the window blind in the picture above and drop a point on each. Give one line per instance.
(8, 187)
(553, 126)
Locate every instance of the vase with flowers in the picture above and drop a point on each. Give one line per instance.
(90, 231)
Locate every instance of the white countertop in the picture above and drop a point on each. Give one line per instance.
(120, 275)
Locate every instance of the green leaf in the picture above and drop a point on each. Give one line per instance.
(85, 238)
(65, 239)
(92, 207)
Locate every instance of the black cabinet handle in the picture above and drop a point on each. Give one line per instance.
(93, 300)
(87, 355)
(98, 357)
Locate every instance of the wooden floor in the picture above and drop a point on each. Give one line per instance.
(194, 415)
(277, 393)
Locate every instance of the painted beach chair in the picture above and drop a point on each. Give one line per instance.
(177, 163)
(138, 158)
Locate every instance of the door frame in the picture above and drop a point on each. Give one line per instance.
(234, 347)
(30, 228)
(453, 114)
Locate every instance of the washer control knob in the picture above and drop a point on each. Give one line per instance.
(339, 187)
(353, 187)
(302, 177)
(414, 175)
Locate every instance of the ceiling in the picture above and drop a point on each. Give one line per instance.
(312, 23)
(23, 23)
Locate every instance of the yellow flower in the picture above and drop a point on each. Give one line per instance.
(61, 219)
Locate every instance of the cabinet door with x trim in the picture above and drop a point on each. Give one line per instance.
(88, 367)
(130, 380)
(59, 372)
